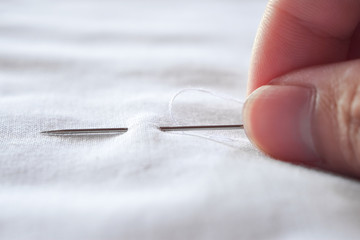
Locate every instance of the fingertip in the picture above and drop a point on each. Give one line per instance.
(277, 120)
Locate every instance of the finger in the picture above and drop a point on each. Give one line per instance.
(317, 122)
(302, 33)
(354, 50)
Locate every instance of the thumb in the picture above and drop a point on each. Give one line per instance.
(310, 116)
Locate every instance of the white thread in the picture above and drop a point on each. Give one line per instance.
(171, 103)
(218, 139)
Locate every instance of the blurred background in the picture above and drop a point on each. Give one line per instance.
(77, 46)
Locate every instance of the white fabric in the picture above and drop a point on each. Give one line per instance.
(81, 64)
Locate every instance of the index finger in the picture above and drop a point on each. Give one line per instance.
(299, 33)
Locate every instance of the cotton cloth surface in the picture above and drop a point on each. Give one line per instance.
(92, 64)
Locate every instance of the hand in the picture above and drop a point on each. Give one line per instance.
(304, 86)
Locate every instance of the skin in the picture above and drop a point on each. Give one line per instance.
(304, 86)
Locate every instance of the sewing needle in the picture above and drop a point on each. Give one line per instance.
(113, 131)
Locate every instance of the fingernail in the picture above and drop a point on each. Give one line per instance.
(278, 119)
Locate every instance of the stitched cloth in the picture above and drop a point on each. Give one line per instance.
(83, 64)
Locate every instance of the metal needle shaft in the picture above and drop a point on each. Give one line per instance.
(112, 131)
(90, 131)
(197, 128)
